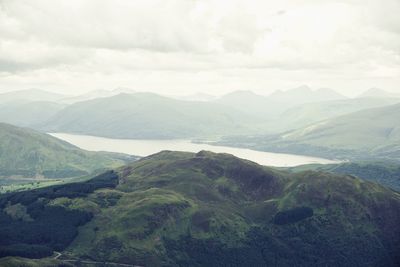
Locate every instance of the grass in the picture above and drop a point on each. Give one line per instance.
(25, 153)
(209, 209)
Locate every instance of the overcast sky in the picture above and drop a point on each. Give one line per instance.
(184, 46)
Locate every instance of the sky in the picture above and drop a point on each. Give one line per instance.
(181, 47)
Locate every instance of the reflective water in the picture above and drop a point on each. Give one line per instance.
(148, 147)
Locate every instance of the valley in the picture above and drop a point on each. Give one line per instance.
(198, 133)
(147, 147)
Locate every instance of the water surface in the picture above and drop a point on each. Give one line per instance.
(147, 147)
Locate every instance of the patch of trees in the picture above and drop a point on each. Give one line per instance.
(26, 251)
(293, 215)
(51, 227)
(290, 248)
(65, 173)
(108, 179)
(387, 175)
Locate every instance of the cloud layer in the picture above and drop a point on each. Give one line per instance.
(182, 46)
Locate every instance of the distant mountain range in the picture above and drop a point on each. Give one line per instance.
(96, 94)
(309, 113)
(252, 104)
(147, 115)
(151, 116)
(30, 95)
(376, 92)
(28, 114)
(365, 134)
(305, 94)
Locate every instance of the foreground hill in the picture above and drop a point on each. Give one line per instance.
(385, 173)
(29, 153)
(207, 209)
(363, 135)
(146, 115)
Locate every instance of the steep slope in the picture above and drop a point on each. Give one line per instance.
(306, 114)
(371, 129)
(385, 173)
(28, 114)
(207, 209)
(29, 153)
(146, 115)
(363, 135)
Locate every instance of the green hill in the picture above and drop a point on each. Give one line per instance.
(385, 173)
(148, 116)
(309, 113)
(207, 209)
(28, 153)
(368, 134)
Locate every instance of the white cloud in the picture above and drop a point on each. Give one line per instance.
(187, 45)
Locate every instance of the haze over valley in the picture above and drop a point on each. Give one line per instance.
(199, 133)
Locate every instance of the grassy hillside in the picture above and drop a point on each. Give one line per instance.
(295, 108)
(29, 153)
(309, 113)
(146, 115)
(363, 135)
(384, 172)
(206, 209)
(365, 129)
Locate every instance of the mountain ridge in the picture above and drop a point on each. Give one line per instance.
(205, 209)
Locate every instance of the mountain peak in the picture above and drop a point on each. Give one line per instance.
(304, 94)
(377, 92)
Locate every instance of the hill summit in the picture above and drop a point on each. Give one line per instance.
(207, 209)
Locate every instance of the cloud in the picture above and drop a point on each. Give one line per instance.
(98, 40)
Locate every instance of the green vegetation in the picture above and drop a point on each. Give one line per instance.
(383, 172)
(303, 115)
(206, 209)
(33, 225)
(19, 262)
(364, 135)
(25, 153)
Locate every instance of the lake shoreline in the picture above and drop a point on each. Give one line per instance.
(145, 147)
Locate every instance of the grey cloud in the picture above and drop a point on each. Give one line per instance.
(118, 37)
